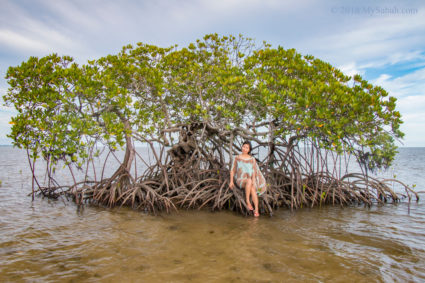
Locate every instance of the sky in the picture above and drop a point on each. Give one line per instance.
(382, 40)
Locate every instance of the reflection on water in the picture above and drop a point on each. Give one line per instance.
(49, 240)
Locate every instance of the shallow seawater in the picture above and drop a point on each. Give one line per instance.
(48, 241)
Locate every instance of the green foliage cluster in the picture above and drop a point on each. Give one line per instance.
(310, 98)
(64, 109)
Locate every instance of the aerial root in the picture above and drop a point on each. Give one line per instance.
(207, 189)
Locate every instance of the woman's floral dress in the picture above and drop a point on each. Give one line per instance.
(243, 168)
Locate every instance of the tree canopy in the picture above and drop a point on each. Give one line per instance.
(221, 89)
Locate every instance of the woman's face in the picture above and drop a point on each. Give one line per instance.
(245, 148)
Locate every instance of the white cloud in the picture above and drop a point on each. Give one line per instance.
(387, 40)
(22, 42)
(405, 57)
(351, 69)
(410, 93)
(28, 33)
(411, 84)
(412, 104)
(6, 114)
(5, 118)
(72, 15)
(355, 43)
(382, 79)
(415, 59)
(7, 110)
(38, 39)
(414, 129)
(239, 6)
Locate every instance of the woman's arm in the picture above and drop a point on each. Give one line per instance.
(254, 171)
(232, 173)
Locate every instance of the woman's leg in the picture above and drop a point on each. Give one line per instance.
(248, 190)
(254, 199)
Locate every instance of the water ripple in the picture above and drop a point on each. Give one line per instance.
(49, 240)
